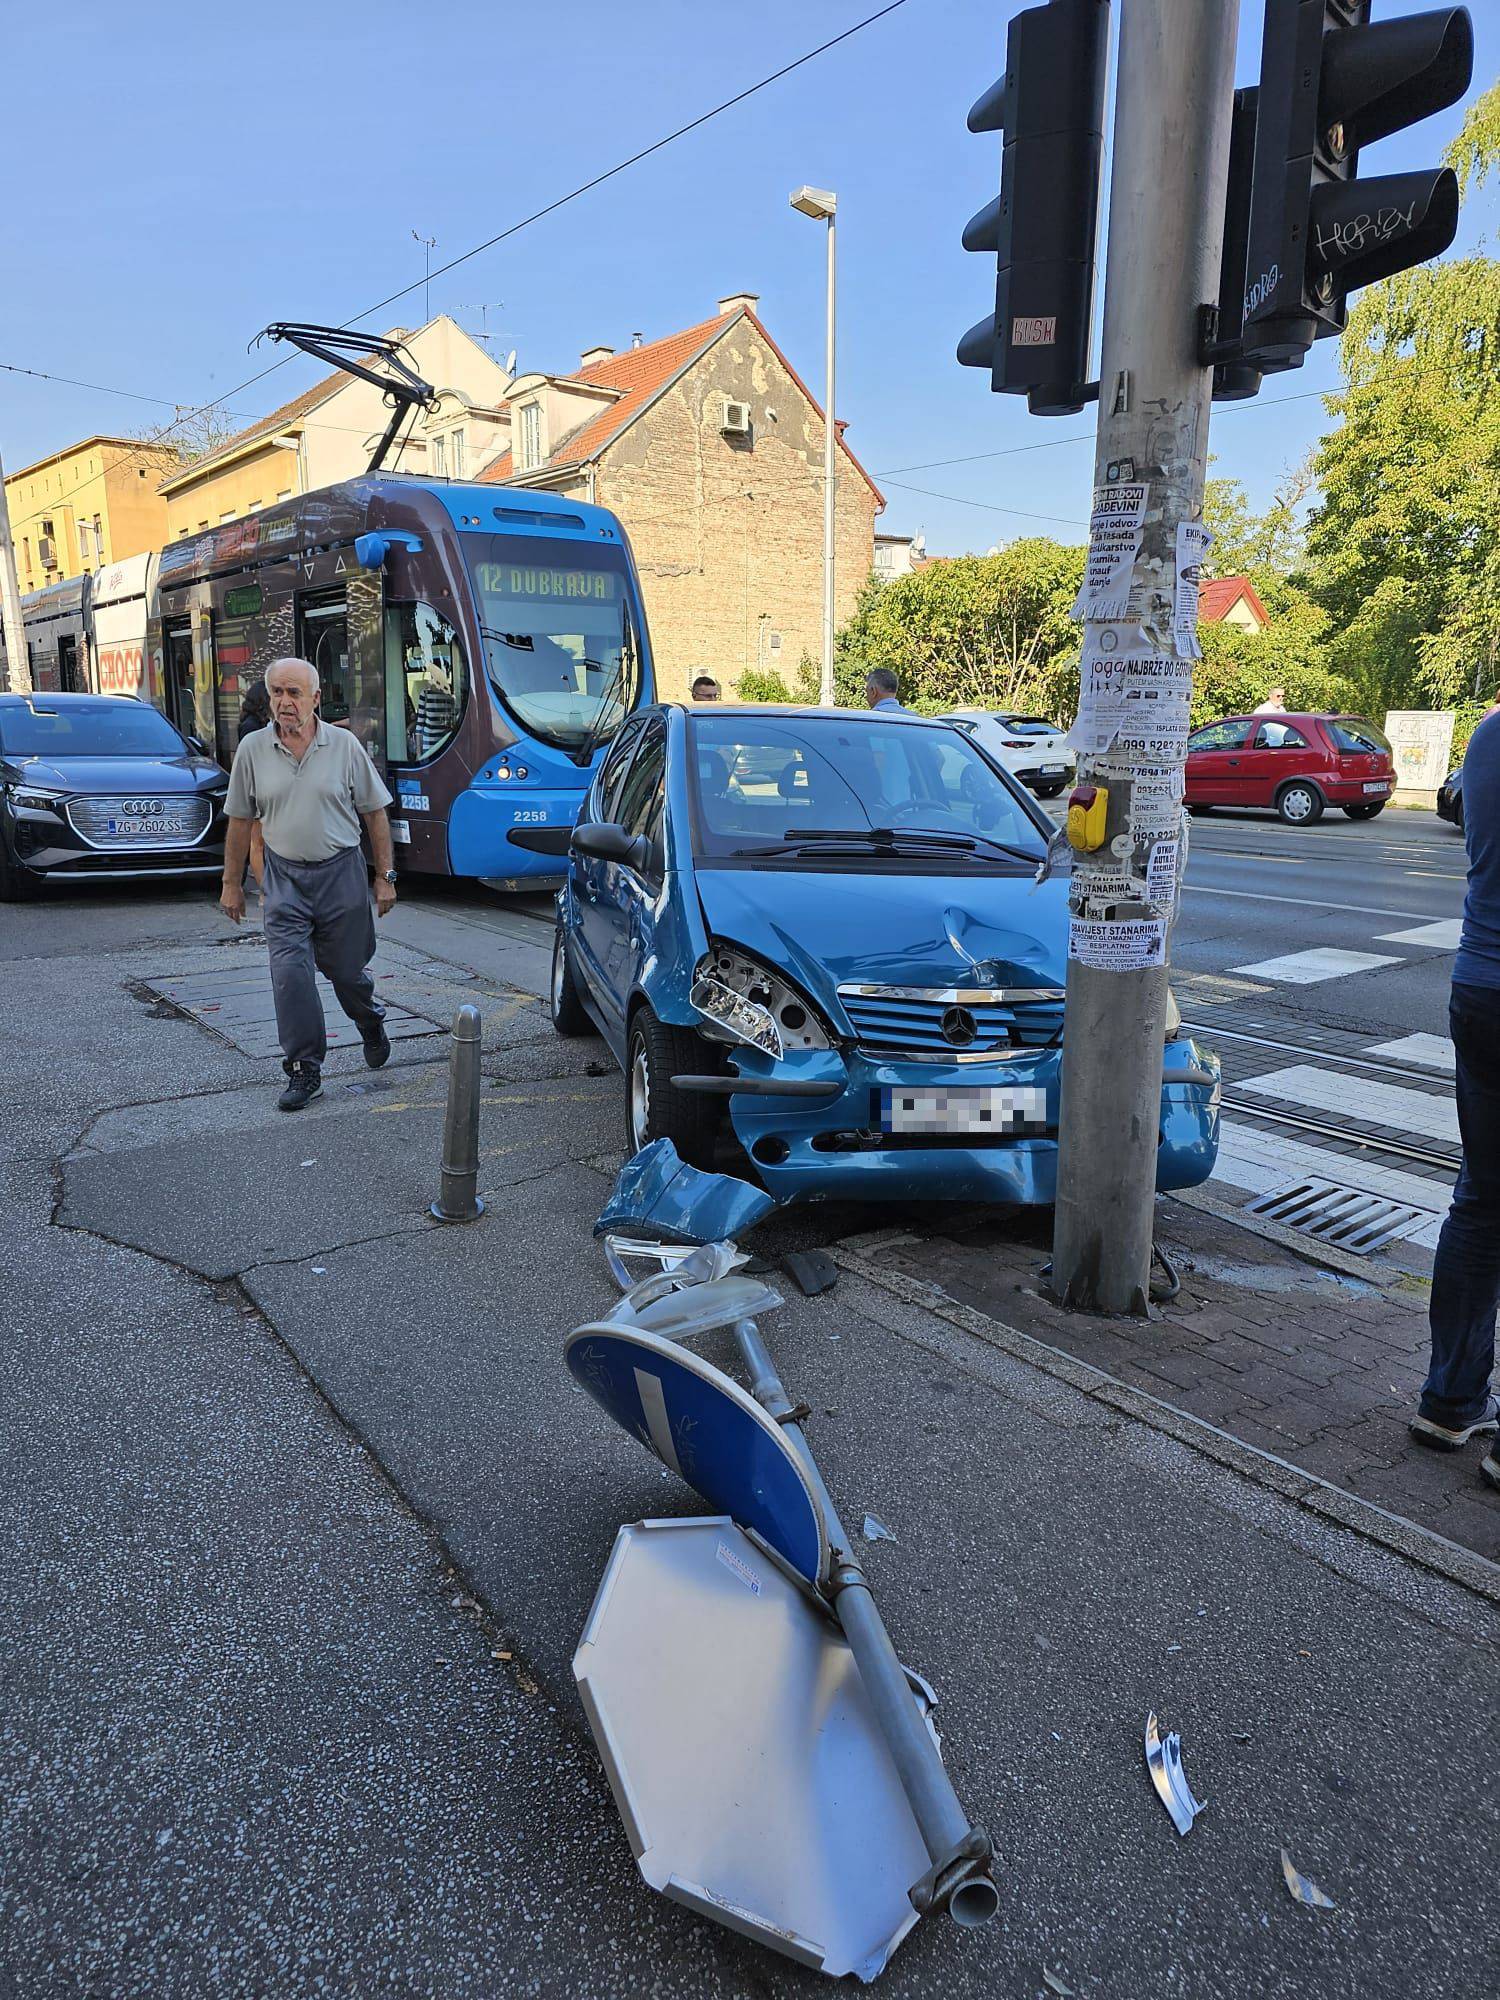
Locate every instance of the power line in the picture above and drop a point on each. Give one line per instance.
(1062, 520)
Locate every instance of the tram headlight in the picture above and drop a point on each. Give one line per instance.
(749, 1003)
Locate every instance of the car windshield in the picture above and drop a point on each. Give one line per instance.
(120, 728)
(775, 790)
(1353, 733)
(559, 634)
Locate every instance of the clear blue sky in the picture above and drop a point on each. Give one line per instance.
(194, 175)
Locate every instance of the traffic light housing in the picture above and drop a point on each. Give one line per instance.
(1042, 226)
(1331, 82)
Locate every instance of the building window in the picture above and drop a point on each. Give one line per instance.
(458, 454)
(439, 458)
(285, 493)
(531, 436)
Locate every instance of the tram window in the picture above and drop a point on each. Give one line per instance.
(325, 641)
(425, 660)
(181, 706)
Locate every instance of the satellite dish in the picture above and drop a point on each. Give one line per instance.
(510, 362)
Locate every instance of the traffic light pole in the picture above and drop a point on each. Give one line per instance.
(17, 665)
(1166, 219)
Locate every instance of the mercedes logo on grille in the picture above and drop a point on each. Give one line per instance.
(959, 1027)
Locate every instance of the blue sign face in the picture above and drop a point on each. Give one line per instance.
(708, 1431)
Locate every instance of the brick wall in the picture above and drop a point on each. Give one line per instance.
(728, 533)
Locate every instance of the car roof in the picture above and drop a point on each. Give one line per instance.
(15, 698)
(796, 711)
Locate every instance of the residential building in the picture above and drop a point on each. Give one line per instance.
(899, 555)
(330, 431)
(709, 446)
(1231, 600)
(89, 505)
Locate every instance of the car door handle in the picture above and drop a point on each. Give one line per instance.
(1234, 760)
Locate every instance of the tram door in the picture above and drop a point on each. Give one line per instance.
(177, 675)
(70, 680)
(325, 641)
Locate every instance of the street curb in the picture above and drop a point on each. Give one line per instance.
(1307, 1250)
(1321, 1497)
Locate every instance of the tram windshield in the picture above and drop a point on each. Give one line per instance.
(559, 634)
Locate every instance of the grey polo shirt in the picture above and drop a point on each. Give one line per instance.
(310, 810)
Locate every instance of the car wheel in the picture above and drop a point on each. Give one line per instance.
(1366, 811)
(1200, 812)
(655, 1052)
(1299, 804)
(569, 1016)
(17, 884)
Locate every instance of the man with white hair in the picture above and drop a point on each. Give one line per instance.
(311, 787)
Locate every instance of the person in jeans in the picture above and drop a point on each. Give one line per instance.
(312, 787)
(1457, 1402)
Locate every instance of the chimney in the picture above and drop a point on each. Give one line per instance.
(635, 339)
(592, 354)
(748, 300)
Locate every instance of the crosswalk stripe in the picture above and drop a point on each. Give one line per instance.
(1442, 936)
(1431, 1051)
(1259, 1161)
(1305, 1086)
(1308, 968)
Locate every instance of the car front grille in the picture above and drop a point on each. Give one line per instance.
(98, 820)
(941, 1022)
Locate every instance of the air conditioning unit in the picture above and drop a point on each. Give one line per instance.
(736, 419)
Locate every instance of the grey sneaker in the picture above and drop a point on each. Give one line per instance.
(1489, 1468)
(304, 1082)
(1453, 1437)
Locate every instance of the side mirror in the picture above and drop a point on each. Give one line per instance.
(604, 841)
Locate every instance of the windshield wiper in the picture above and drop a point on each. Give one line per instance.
(583, 754)
(896, 837)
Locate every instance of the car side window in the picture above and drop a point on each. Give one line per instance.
(642, 797)
(1218, 736)
(1278, 736)
(612, 773)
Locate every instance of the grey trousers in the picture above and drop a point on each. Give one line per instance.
(318, 914)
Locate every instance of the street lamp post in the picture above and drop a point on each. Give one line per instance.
(822, 205)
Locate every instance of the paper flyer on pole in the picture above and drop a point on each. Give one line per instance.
(1114, 543)
(1128, 946)
(1193, 543)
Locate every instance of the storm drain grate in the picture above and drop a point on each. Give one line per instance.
(1353, 1218)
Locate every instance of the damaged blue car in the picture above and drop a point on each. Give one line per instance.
(823, 927)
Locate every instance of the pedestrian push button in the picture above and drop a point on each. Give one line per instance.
(1087, 807)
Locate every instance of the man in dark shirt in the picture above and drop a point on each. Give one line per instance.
(1457, 1403)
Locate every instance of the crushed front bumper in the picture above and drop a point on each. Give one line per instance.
(832, 1147)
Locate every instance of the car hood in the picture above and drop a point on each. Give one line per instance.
(177, 775)
(829, 930)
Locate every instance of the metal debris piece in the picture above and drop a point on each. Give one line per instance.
(1164, 1761)
(1051, 1980)
(875, 1529)
(1304, 1891)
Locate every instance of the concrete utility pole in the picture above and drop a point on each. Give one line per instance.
(18, 667)
(822, 205)
(1173, 99)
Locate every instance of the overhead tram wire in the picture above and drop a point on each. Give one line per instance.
(551, 208)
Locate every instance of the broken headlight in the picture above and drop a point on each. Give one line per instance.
(747, 1002)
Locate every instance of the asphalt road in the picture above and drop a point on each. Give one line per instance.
(305, 1522)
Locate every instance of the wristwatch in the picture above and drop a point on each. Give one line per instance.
(389, 876)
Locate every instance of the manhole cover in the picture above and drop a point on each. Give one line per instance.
(1352, 1218)
(235, 1003)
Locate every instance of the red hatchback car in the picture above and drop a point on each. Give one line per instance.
(1296, 764)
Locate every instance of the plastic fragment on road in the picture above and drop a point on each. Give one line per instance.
(1053, 1983)
(1299, 1886)
(658, 1197)
(811, 1271)
(1164, 1762)
(875, 1530)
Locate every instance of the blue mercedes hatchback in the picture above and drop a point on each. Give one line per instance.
(824, 927)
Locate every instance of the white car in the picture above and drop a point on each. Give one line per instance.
(1028, 746)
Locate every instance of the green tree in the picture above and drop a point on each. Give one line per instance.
(1403, 549)
(971, 631)
(1245, 543)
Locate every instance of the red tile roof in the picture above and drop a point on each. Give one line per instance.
(640, 374)
(1218, 597)
(289, 413)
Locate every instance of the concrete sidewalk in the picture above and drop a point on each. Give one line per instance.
(271, 1421)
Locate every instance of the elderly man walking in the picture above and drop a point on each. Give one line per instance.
(311, 786)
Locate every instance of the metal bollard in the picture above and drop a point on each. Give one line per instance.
(458, 1187)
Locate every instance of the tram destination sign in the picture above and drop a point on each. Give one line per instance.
(535, 580)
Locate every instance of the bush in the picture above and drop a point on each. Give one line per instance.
(761, 684)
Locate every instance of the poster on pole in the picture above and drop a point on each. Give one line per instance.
(1193, 543)
(1115, 523)
(1130, 944)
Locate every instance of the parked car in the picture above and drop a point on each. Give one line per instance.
(1296, 764)
(846, 956)
(1450, 798)
(102, 785)
(1028, 746)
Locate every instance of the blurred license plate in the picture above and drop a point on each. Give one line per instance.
(942, 1109)
(1377, 784)
(1053, 770)
(153, 827)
